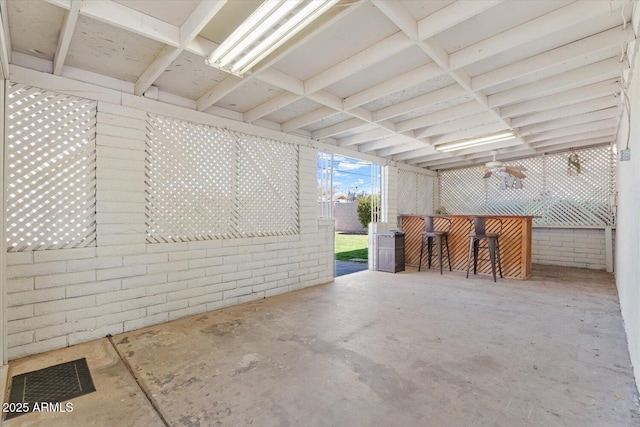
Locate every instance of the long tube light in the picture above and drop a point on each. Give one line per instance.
(268, 27)
(445, 148)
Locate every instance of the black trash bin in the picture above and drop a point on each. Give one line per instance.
(391, 251)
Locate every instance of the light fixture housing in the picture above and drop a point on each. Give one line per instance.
(468, 143)
(267, 28)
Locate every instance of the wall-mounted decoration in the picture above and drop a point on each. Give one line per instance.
(573, 163)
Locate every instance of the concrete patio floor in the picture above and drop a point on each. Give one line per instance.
(406, 349)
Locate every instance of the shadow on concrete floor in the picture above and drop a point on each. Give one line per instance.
(348, 267)
(407, 349)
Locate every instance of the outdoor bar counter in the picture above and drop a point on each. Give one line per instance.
(515, 242)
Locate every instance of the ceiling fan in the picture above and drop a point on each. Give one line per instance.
(496, 166)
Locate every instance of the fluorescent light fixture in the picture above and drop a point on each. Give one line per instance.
(268, 27)
(445, 148)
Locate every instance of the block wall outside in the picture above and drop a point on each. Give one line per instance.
(569, 247)
(58, 298)
(346, 217)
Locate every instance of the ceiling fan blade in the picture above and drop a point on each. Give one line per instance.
(518, 168)
(488, 174)
(514, 172)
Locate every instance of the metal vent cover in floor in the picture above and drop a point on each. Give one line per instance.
(54, 384)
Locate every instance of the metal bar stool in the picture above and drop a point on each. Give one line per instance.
(428, 235)
(493, 245)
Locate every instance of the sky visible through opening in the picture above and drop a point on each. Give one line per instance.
(351, 177)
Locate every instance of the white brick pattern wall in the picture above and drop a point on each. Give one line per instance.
(63, 297)
(569, 247)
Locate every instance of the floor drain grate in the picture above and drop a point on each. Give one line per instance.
(51, 385)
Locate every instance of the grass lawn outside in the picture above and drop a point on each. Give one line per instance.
(349, 246)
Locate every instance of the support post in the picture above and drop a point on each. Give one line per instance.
(3, 227)
(608, 245)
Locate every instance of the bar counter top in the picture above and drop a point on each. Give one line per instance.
(515, 241)
(468, 216)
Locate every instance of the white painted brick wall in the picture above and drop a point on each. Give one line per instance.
(390, 194)
(569, 247)
(64, 297)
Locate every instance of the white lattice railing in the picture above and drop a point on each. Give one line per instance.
(51, 179)
(415, 192)
(209, 183)
(558, 194)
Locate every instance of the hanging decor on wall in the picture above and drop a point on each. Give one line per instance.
(573, 163)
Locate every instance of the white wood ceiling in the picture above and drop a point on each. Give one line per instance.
(383, 77)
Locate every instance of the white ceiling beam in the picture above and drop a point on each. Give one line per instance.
(578, 119)
(437, 53)
(120, 16)
(5, 40)
(270, 106)
(368, 116)
(566, 111)
(66, 33)
(608, 133)
(585, 93)
(309, 118)
(428, 27)
(504, 154)
(338, 128)
(568, 132)
(201, 46)
(591, 142)
(281, 80)
(471, 151)
(332, 101)
(441, 116)
(453, 162)
(413, 154)
(215, 94)
(582, 49)
(483, 118)
(328, 19)
(469, 133)
(364, 137)
(452, 15)
(167, 55)
(463, 79)
(199, 18)
(570, 139)
(583, 76)
(403, 148)
(426, 156)
(400, 16)
(396, 84)
(377, 145)
(368, 57)
(560, 19)
(431, 98)
(219, 91)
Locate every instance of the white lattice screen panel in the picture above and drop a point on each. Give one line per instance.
(208, 183)
(267, 186)
(415, 193)
(406, 192)
(463, 191)
(515, 202)
(552, 190)
(51, 170)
